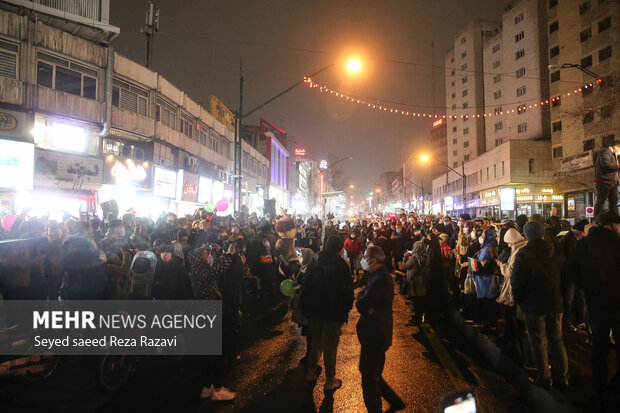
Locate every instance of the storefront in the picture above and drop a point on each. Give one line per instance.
(576, 182)
(16, 173)
(186, 200)
(489, 203)
(538, 200)
(281, 196)
(507, 203)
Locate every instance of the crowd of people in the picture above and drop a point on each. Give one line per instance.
(527, 280)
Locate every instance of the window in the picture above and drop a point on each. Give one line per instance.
(521, 91)
(554, 27)
(464, 80)
(499, 141)
(585, 34)
(503, 169)
(215, 144)
(454, 129)
(521, 109)
(454, 141)
(495, 171)
(452, 73)
(519, 36)
(497, 78)
(454, 106)
(466, 118)
(519, 54)
(498, 125)
(522, 127)
(202, 135)
(520, 73)
(553, 3)
(454, 153)
(466, 144)
(608, 140)
(463, 55)
(556, 126)
(586, 61)
(518, 18)
(606, 111)
(584, 7)
(588, 145)
(588, 117)
(452, 60)
(586, 90)
(453, 95)
(497, 94)
(8, 59)
(604, 24)
(556, 101)
(604, 54)
(465, 105)
(463, 39)
(498, 110)
(496, 64)
(455, 164)
(554, 51)
(129, 97)
(452, 83)
(557, 152)
(531, 166)
(66, 76)
(466, 131)
(186, 126)
(45, 75)
(466, 157)
(555, 76)
(166, 114)
(464, 93)
(496, 48)
(464, 66)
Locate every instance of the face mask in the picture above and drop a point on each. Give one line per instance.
(465, 231)
(411, 220)
(210, 260)
(481, 240)
(352, 236)
(364, 264)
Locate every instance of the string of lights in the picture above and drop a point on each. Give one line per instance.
(403, 112)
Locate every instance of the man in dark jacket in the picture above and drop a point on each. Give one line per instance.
(594, 267)
(326, 299)
(171, 281)
(605, 178)
(536, 278)
(374, 331)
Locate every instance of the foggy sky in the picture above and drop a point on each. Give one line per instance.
(202, 44)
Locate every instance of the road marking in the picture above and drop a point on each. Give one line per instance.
(444, 358)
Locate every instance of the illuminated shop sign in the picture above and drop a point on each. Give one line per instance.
(68, 137)
(507, 199)
(437, 123)
(55, 169)
(164, 182)
(188, 186)
(300, 152)
(127, 172)
(205, 188)
(16, 164)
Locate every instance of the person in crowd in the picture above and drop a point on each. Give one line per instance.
(417, 266)
(447, 263)
(574, 304)
(536, 276)
(114, 239)
(326, 299)
(594, 267)
(487, 309)
(437, 287)
(171, 281)
(606, 180)
(374, 331)
(353, 247)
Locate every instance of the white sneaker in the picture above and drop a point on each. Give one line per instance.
(223, 394)
(207, 392)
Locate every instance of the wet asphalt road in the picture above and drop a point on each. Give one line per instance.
(269, 378)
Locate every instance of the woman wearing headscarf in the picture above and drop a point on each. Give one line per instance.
(485, 280)
(417, 265)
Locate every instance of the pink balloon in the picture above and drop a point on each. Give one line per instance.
(221, 205)
(7, 222)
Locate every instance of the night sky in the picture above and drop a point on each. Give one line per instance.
(201, 43)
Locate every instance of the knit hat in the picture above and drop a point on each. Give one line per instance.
(443, 237)
(534, 230)
(334, 244)
(513, 236)
(581, 225)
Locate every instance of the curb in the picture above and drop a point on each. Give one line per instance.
(536, 397)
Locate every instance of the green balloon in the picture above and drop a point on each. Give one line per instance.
(210, 207)
(286, 287)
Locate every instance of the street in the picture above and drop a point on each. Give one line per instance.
(268, 378)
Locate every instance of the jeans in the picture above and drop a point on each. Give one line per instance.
(606, 192)
(372, 360)
(601, 323)
(325, 339)
(542, 328)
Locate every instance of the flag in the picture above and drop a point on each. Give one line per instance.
(474, 265)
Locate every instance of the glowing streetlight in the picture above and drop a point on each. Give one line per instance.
(378, 190)
(424, 158)
(351, 186)
(354, 65)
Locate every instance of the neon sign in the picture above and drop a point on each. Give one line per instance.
(437, 122)
(190, 188)
(129, 172)
(300, 152)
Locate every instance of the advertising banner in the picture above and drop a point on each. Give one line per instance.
(222, 113)
(54, 169)
(127, 172)
(164, 182)
(190, 187)
(16, 165)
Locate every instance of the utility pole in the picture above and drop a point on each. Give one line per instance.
(237, 150)
(150, 28)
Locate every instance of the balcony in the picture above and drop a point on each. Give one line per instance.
(67, 104)
(11, 91)
(132, 122)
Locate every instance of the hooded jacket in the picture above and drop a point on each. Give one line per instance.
(536, 278)
(376, 329)
(327, 289)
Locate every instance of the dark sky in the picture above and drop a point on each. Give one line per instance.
(201, 43)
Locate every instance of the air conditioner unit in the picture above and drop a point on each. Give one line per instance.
(191, 161)
(220, 175)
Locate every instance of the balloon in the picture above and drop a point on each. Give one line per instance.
(286, 287)
(210, 207)
(8, 221)
(221, 205)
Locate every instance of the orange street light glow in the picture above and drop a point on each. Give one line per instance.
(354, 65)
(424, 158)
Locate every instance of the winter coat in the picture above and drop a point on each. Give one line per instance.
(376, 329)
(171, 281)
(595, 267)
(353, 247)
(203, 277)
(606, 166)
(327, 290)
(505, 295)
(536, 278)
(417, 267)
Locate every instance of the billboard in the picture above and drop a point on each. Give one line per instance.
(222, 113)
(127, 172)
(164, 182)
(16, 164)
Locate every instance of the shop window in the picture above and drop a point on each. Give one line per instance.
(9, 53)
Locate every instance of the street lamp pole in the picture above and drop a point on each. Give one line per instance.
(576, 66)
(419, 187)
(461, 174)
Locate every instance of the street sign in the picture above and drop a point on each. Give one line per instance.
(589, 212)
(323, 164)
